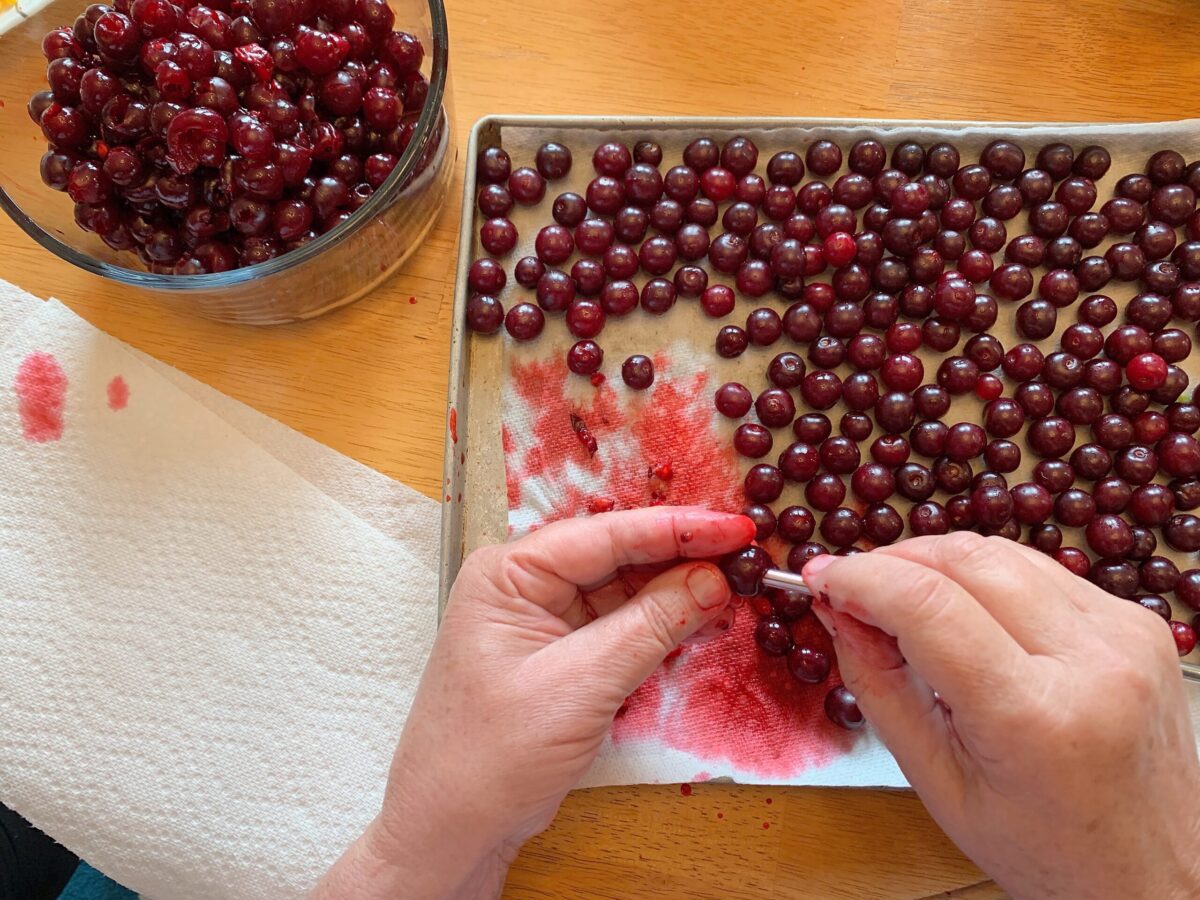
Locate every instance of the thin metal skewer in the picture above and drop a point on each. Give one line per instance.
(785, 581)
(791, 581)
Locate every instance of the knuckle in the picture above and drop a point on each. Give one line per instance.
(507, 572)
(483, 558)
(1142, 684)
(934, 596)
(1159, 641)
(967, 549)
(658, 620)
(1142, 641)
(494, 571)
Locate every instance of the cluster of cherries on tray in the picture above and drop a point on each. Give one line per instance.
(892, 256)
(211, 137)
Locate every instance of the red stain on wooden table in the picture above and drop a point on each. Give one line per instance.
(41, 388)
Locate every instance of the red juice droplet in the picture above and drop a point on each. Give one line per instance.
(454, 424)
(412, 299)
(118, 393)
(41, 388)
(685, 790)
(766, 825)
(720, 815)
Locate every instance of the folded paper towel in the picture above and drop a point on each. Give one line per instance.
(208, 656)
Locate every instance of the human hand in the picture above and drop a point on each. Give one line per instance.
(1042, 721)
(523, 683)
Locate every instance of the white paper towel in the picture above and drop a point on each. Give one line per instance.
(209, 660)
(390, 506)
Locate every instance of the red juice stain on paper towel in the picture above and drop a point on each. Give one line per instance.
(41, 388)
(671, 422)
(118, 394)
(723, 701)
(512, 481)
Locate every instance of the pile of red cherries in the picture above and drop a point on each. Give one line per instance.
(210, 137)
(924, 249)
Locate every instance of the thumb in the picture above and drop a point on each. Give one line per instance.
(899, 704)
(621, 649)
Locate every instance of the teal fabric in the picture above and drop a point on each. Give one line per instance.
(88, 884)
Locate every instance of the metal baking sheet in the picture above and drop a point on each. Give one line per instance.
(475, 501)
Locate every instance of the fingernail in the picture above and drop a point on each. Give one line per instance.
(708, 588)
(817, 564)
(748, 526)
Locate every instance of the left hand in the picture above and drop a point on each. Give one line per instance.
(522, 686)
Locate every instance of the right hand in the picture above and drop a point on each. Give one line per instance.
(1042, 721)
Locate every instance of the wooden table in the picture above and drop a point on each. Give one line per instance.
(370, 380)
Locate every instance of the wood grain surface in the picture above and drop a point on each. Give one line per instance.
(370, 380)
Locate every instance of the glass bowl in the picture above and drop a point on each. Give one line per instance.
(334, 269)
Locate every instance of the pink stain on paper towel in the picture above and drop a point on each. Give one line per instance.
(723, 701)
(118, 393)
(738, 706)
(41, 388)
(669, 424)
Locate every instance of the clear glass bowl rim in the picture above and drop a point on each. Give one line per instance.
(425, 130)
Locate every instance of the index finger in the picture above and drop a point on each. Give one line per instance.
(588, 551)
(944, 633)
(1036, 606)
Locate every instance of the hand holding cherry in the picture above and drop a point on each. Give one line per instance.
(525, 678)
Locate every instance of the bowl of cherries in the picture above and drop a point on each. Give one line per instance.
(260, 161)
